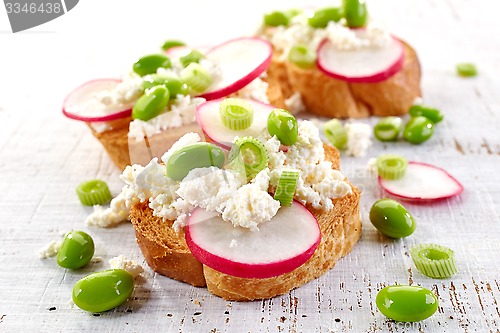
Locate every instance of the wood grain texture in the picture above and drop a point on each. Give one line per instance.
(43, 156)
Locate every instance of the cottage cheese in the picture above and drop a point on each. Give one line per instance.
(49, 250)
(343, 38)
(318, 182)
(294, 103)
(120, 262)
(256, 90)
(227, 193)
(358, 138)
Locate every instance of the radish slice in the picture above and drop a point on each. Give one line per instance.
(367, 65)
(240, 62)
(280, 246)
(422, 182)
(209, 119)
(83, 103)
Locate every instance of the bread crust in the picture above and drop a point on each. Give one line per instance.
(121, 150)
(333, 98)
(167, 253)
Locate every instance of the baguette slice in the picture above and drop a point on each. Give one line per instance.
(333, 98)
(120, 150)
(167, 253)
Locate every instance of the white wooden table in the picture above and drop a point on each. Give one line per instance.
(43, 156)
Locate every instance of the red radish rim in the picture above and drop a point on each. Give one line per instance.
(255, 271)
(460, 190)
(109, 117)
(197, 115)
(392, 70)
(244, 81)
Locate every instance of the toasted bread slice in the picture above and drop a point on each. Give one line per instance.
(167, 253)
(123, 153)
(333, 98)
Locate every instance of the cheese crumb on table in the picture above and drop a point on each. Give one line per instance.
(121, 262)
(49, 250)
(358, 138)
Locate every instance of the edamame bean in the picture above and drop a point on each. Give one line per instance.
(193, 56)
(321, 17)
(284, 125)
(276, 18)
(392, 219)
(104, 290)
(150, 63)
(151, 104)
(355, 13)
(198, 155)
(406, 303)
(168, 44)
(418, 129)
(432, 114)
(174, 85)
(76, 250)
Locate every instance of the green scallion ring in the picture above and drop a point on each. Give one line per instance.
(388, 128)
(93, 192)
(434, 260)
(252, 152)
(287, 184)
(466, 70)
(302, 56)
(336, 133)
(236, 114)
(391, 166)
(196, 77)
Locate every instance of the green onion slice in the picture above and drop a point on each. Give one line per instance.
(287, 184)
(93, 192)
(432, 114)
(302, 56)
(466, 70)
(336, 133)
(196, 77)
(193, 56)
(322, 16)
(391, 166)
(168, 44)
(236, 114)
(388, 128)
(252, 152)
(434, 260)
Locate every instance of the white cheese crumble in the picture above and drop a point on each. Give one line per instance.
(49, 250)
(300, 32)
(250, 206)
(115, 214)
(358, 138)
(120, 262)
(295, 104)
(256, 90)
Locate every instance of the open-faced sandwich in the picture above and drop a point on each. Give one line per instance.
(258, 209)
(337, 63)
(141, 115)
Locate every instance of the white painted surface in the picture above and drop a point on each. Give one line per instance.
(43, 156)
